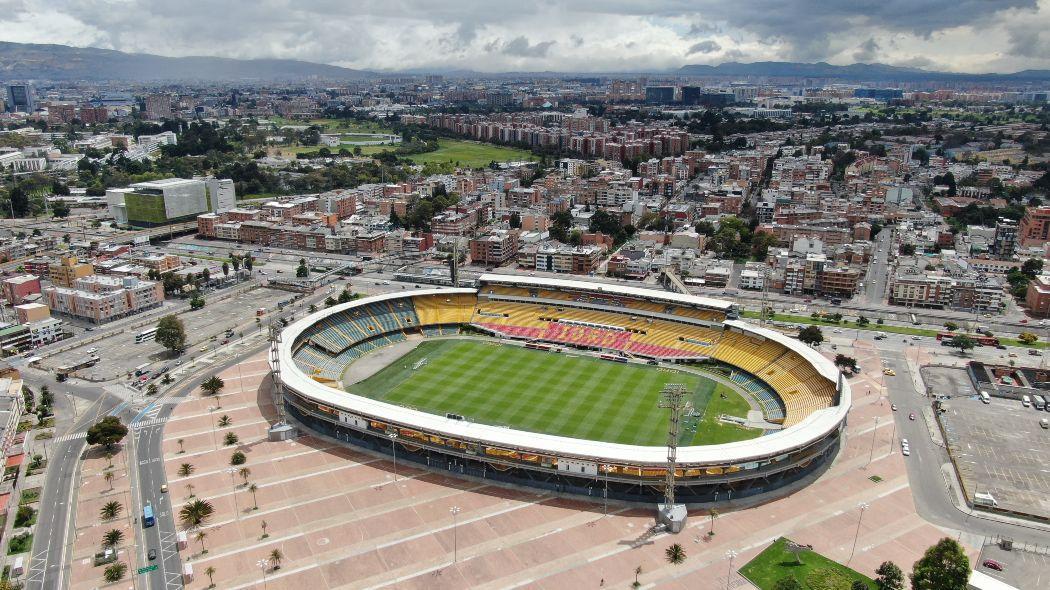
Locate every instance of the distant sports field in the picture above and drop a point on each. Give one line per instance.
(560, 394)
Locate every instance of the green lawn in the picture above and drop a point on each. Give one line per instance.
(471, 153)
(553, 393)
(816, 572)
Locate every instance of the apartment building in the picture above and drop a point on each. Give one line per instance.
(68, 270)
(563, 258)
(495, 248)
(103, 298)
(18, 288)
(1034, 229)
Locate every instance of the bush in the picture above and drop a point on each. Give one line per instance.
(238, 458)
(26, 516)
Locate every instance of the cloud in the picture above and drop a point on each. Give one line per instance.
(867, 51)
(520, 47)
(704, 47)
(499, 35)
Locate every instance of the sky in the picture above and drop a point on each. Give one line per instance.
(553, 35)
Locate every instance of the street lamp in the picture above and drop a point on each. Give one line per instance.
(874, 432)
(393, 445)
(455, 540)
(233, 482)
(262, 563)
(730, 555)
(862, 506)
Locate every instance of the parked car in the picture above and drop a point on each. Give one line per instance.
(893, 407)
(911, 416)
(992, 565)
(1034, 352)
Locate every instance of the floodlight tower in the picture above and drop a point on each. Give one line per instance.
(280, 430)
(672, 515)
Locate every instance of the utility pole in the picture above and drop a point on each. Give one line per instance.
(670, 514)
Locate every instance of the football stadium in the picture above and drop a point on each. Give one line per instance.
(558, 384)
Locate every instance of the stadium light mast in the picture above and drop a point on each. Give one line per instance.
(280, 430)
(670, 514)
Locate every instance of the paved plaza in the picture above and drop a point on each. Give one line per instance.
(341, 521)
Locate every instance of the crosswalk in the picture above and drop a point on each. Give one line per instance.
(134, 427)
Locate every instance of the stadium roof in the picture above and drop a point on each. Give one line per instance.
(609, 288)
(810, 429)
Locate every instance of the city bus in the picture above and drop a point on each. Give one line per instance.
(147, 516)
(146, 336)
(980, 339)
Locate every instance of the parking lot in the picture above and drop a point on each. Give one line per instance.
(1020, 568)
(1000, 449)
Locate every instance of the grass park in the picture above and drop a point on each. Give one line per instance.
(471, 153)
(554, 393)
(812, 570)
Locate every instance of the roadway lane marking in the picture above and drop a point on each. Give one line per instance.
(69, 437)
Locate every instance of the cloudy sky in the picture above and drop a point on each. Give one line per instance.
(569, 35)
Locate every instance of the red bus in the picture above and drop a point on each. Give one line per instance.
(980, 339)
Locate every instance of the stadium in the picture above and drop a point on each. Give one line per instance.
(557, 384)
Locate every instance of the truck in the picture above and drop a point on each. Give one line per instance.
(260, 312)
(1038, 402)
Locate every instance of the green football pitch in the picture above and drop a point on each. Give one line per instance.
(554, 393)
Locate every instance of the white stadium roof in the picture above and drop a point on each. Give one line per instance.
(608, 288)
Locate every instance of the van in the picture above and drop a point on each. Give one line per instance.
(985, 399)
(1026, 401)
(983, 499)
(92, 350)
(164, 488)
(1044, 423)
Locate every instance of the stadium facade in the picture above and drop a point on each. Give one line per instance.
(793, 384)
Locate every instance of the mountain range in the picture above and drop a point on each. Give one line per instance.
(22, 61)
(859, 72)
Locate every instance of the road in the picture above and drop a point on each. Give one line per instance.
(875, 283)
(52, 541)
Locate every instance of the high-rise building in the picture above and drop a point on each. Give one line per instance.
(1005, 241)
(158, 106)
(1035, 227)
(659, 94)
(222, 195)
(20, 98)
(158, 202)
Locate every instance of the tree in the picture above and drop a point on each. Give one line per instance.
(225, 269)
(111, 510)
(244, 472)
(238, 458)
(230, 439)
(196, 513)
(19, 198)
(312, 308)
(152, 389)
(108, 477)
(787, 583)
(197, 301)
(115, 572)
(302, 271)
(262, 525)
(863, 321)
(112, 538)
(1032, 267)
(210, 572)
(811, 335)
(963, 342)
(182, 448)
(60, 209)
(107, 432)
(224, 421)
(889, 577)
(248, 263)
(199, 537)
(515, 220)
(951, 326)
(675, 554)
(254, 488)
(213, 385)
(908, 249)
(171, 333)
(858, 585)
(846, 362)
(186, 469)
(944, 566)
(1027, 338)
(275, 558)
(236, 262)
